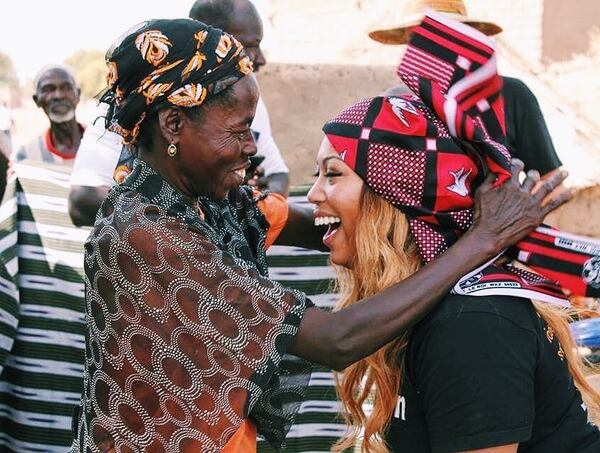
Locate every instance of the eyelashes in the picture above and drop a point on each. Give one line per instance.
(328, 174)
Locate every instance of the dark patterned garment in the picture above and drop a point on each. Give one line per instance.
(185, 331)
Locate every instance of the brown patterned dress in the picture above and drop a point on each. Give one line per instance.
(185, 331)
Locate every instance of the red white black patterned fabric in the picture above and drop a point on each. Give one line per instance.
(572, 260)
(426, 153)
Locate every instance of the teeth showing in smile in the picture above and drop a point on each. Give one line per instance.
(326, 220)
(241, 173)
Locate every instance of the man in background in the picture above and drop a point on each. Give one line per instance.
(99, 154)
(527, 135)
(57, 94)
(240, 18)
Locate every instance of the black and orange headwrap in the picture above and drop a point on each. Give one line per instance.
(163, 62)
(426, 153)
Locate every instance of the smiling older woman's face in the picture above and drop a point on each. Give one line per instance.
(214, 148)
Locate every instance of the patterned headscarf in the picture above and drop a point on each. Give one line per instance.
(426, 153)
(162, 62)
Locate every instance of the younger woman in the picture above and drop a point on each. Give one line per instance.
(494, 373)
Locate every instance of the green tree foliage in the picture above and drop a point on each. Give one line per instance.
(8, 75)
(90, 71)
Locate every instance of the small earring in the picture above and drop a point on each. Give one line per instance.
(172, 150)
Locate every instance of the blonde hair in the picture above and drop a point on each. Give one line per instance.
(386, 255)
(558, 319)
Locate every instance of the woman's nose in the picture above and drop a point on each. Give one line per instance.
(249, 148)
(315, 194)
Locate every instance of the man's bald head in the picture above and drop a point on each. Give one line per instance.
(237, 17)
(219, 13)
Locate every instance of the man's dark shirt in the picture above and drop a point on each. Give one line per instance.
(488, 371)
(527, 135)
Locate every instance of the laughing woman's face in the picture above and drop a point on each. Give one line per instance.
(336, 194)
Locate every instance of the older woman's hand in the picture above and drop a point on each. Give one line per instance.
(506, 214)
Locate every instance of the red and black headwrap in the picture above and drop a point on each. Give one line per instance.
(163, 62)
(426, 153)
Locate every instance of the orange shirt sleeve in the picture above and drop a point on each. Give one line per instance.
(244, 439)
(275, 209)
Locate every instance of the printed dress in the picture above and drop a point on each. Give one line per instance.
(185, 331)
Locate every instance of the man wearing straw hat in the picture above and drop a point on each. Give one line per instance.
(526, 132)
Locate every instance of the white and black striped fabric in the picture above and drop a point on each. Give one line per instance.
(41, 311)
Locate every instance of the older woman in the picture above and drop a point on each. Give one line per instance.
(186, 332)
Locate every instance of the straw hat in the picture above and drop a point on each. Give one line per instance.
(395, 26)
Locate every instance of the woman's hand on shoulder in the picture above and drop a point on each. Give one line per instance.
(506, 214)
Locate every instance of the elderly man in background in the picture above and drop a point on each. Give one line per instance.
(57, 94)
(99, 153)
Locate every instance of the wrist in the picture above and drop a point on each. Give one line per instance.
(481, 245)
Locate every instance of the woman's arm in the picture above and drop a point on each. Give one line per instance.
(502, 217)
(84, 202)
(300, 229)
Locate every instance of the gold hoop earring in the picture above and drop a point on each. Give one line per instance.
(172, 150)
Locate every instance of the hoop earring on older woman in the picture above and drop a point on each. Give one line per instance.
(172, 150)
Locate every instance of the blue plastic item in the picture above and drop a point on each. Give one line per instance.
(587, 333)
